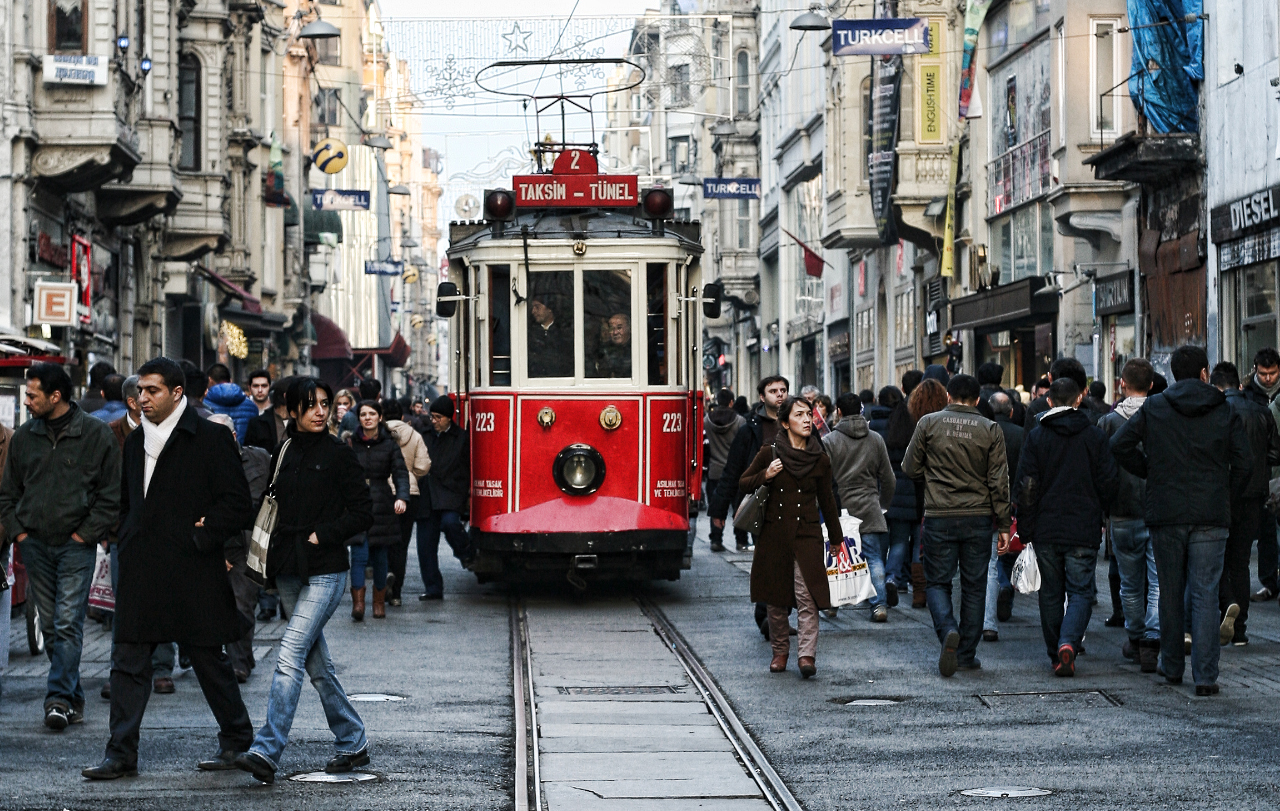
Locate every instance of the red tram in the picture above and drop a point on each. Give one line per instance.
(576, 308)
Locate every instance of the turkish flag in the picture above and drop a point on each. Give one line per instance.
(813, 261)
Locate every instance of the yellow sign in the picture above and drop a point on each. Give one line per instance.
(330, 156)
(935, 37)
(930, 84)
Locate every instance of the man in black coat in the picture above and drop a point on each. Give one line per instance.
(760, 429)
(1065, 478)
(999, 587)
(1193, 451)
(266, 430)
(445, 497)
(1263, 387)
(184, 493)
(1247, 510)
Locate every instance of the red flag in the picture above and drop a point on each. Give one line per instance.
(813, 261)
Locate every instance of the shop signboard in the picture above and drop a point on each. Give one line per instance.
(1247, 215)
(714, 188)
(389, 267)
(55, 303)
(339, 200)
(76, 70)
(1113, 295)
(882, 37)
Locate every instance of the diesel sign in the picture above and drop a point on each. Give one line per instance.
(1246, 215)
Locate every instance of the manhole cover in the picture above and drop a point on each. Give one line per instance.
(325, 777)
(871, 702)
(1006, 791)
(375, 697)
(617, 691)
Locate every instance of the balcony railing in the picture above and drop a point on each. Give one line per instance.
(1021, 174)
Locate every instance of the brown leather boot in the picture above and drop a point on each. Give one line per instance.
(918, 584)
(357, 604)
(779, 663)
(379, 604)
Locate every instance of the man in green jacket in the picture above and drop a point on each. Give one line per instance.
(59, 497)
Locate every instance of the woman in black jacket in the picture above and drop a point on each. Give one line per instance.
(322, 501)
(380, 456)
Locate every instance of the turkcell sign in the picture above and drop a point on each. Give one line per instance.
(390, 267)
(576, 191)
(887, 37)
(731, 187)
(339, 200)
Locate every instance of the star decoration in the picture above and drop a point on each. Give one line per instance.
(517, 40)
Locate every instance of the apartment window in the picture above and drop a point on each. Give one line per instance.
(744, 223)
(1104, 57)
(904, 319)
(678, 154)
(67, 26)
(679, 81)
(1021, 165)
(863, 330)
(743, 82)
(329, 50)
(189, 112)
(637, 107)
(1024, 242)
(866, 128)
(328, 106)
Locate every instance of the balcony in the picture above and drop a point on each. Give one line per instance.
(1147, 159)
(153, 187)
(924, 174)
(1019, 175)
(83, 140)
(199, 224)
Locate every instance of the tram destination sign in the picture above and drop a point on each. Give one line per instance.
(576, 191)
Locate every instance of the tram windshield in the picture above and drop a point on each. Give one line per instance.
(550, 346)
(606, 304)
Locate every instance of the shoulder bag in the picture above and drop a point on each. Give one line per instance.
(750, 514)
(264, 525)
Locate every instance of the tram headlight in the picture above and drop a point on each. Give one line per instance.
(578, 470)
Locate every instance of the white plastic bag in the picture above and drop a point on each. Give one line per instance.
(100, 593)
(1026, 571)
(848, 576)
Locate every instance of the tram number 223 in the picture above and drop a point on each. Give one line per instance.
(484, 422)
(672, 422)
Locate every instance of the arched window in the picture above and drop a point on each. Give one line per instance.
(866, 128)
(189, 112)
(742, 81)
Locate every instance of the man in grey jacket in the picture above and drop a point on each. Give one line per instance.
(720, 427)
(864, 481)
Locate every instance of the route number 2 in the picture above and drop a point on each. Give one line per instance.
(484, 421)
(672, 422)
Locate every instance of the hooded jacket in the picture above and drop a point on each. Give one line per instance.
(861, 471)
(1131, 491)
(1191, 448)
(760, 429)
(720, 427)
(1066, 479)
(227, 398)
(1254, 391)
(960, 456)
(903, 506)
(414, 449)
(1264, 442)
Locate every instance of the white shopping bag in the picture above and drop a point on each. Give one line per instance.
(848, 576)
(1026, 571)
(100, 593)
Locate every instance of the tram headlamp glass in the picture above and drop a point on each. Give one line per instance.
(579, 470)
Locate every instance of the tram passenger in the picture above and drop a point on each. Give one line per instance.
(788, 570)
(550, 341)
(613, 359)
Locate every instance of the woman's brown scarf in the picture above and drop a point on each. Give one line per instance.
(799, 462)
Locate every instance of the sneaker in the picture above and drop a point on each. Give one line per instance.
(1227, 630)
(1261, 595)
(1206, 690)
(75, 715)
(1186, 644)
(879, 614)
(990, 635)
(1004, 603)
(390, 588)
(745, 548)
(1240, 640)
(891, 594)
(716, 546)
(1066, 666)
(55, 717)
(1114, 621)
(947, 661)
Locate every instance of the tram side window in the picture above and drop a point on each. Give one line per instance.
(606, 309)
(499, 325)
(550, 334)
(656, 313)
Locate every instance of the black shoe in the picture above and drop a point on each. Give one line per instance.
(105, 692)
(224, 761)
(110, 769)
(242, 676)
(184, 662)
(1114, 621)
(1262, 595)
(56, 717)
(891, 594)
(391, 583)
(1168, 678)
(1129, 650)
(947, 661)
(975, 664)
(1206, 689)
(989, 635)
(716, 546)
(1004, 603)
(744, 547)
(1240, 640)
(422, 598)
(266, 616)
(75, 715)
(256, 765)
(341, 764)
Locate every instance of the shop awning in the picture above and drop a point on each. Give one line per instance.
(1004, 307)
(252, 303)
(316, 223)
(331, 341)
(395, 354)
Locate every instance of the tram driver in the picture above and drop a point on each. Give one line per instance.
(613, 359)
(550, 341)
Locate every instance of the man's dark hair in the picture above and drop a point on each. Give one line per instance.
(196, 382)
(910, 379)
(370, 388)
(1187, 361)
(301, 393)
(1267, 357)
(113, 388)
(170, 372)
(724, 398)
(218, 373)
(97, 373)
(1063, 391)
(769, 381)
(1098, 390)
(279, 391)
(867, 396)
(1042, 383)
(1225, 376)
(52, 378)
(963, 388)
(257, 373)
(990, 374)
(1001, 403)
(1069, 367)
(392, 410)
(889, 396)
(1158, 383)
(849, 404)
(1138, 374)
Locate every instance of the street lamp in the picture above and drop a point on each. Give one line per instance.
(319, 29)
(689, 179)
(724, 129)
(810, 21)
(408, 242)
(377, 142)
(400, 189)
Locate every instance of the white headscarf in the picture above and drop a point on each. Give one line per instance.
(155, 437)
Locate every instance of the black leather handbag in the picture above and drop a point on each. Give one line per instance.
(750, 514)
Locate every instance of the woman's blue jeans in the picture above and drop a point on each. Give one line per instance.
(904, 537)
(871, 545)
(302, 649)
(363, 555)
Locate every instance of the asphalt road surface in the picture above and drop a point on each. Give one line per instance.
(621, 728)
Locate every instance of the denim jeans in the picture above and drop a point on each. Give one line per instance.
(1066, 572)
(963, 543)
(872, 543)
(998, 572)
(60, 577)
(362, 555)
(1139, 584)
(1189, 560)
(904, 537)
(302, 648)
(429, 529)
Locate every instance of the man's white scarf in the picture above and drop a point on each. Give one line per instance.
(155, 437)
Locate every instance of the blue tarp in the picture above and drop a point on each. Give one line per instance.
(1168, 62)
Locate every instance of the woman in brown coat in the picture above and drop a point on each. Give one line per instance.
(789, 569)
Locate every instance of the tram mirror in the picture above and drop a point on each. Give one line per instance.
(446, 290)
(712, 294)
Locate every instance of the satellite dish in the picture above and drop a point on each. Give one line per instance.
(467, 206)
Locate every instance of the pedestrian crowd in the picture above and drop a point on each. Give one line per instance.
(164, 472)
(953, 474)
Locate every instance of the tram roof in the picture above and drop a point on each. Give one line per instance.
(575, 224)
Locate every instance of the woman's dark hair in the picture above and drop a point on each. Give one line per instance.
(392, 410)
(168, 369)
(927, 398)
(301, 395)
(53, 378)
(789, 404)
(889, 397)
(740, 406)
(910, 379)
(827, 406)
(374, 404)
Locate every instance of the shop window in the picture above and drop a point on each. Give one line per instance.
(866, 129)
(1256, 311)
(1021, 166)
(659, 325)
(329, 50)
(678, 79)
(1015, 24)
(189, 112)
(1104, 74)
(742, 82)
(1023, 243)
(499, 325)
(67, 26)
(865, 378)
(606, 316)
